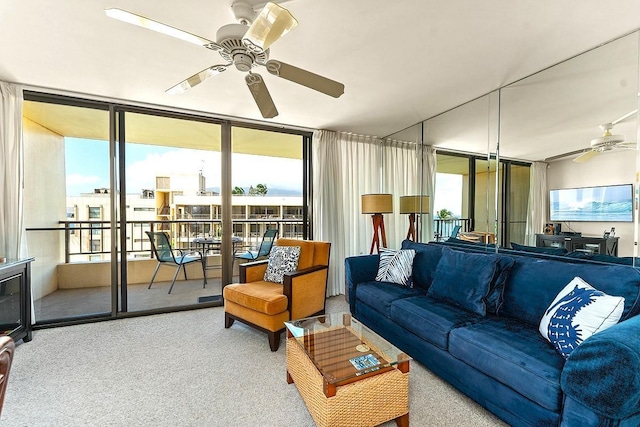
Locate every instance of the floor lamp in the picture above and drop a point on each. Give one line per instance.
(414, 206)
(376, 205)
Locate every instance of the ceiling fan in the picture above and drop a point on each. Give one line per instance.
(244, 45)
(607, 141)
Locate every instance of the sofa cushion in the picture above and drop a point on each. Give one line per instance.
(539, 249)
(603, 372)
(430, 319)
(380, 295)
(513, 354)
(578, 312)
(535, 282)
(464, 279)
(396, 266)
(454, 241)
(424, 263)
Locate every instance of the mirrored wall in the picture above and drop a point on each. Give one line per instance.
(504, 160)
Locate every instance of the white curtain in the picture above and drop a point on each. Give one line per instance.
(402, 174)
(12, 240)
(345, 166)
(537, 205)
(429, 188)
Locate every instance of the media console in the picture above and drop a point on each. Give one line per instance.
(598, 245)
(15, 299)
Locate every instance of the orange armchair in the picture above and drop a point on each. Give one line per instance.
(267, 305)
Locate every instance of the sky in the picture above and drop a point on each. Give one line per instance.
(87, 167)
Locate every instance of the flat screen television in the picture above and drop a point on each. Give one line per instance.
(610, 203)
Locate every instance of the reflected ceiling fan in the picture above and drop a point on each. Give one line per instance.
(607, 141)
(244, 45)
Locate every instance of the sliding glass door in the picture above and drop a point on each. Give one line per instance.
(101, 178)
(67, 208)
(172, 186)
(267, 181)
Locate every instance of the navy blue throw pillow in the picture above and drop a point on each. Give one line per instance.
(494, 299)
(464, 279)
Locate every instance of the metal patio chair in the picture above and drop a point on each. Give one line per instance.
(165, 255)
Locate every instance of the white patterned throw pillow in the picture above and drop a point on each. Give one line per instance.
(578, 312)
(396, 266)
(282, 259)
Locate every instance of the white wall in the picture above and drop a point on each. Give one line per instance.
(44, 203)
(616, 167)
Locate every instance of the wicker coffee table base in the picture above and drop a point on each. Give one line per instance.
(367, 402)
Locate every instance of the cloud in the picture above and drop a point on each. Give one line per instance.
(247, 170)
(79, 179)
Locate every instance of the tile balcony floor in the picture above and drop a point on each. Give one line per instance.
(68, 303)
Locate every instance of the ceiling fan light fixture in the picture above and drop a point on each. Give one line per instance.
(272, 23)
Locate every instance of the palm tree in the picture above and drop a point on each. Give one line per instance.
(238, 191)
(444, 214)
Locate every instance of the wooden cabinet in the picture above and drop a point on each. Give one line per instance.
(15, 299)
(598, 245)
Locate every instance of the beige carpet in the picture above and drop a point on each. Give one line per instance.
(183, 369)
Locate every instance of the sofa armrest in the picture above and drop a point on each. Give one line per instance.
(359, 269)
(306, 291)
(252, 271)
(602, 373)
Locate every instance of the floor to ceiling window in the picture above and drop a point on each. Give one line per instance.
(516, 194)
(67, 206)
(451, 202)
(100, 176)
(466, 196)
(268, 186)
(172, 186)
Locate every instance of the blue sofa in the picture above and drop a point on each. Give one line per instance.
(495, 354)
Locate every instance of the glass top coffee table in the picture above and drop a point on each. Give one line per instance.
(343, 369)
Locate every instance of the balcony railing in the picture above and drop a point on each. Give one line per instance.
(84, 239)
(442, 228)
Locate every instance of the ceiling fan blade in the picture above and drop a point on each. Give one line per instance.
(305, 78)
(625, 117)
(150, 24)
(261, 95)
(629, 145)
(587, 155)
(196, 79)
(272, 22)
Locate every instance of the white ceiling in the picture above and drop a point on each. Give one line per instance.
(401, 61)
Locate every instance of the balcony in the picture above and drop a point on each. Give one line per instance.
(72, 273)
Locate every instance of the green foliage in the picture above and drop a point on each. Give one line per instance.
(237, 191)
(444, 214)
(258, 190)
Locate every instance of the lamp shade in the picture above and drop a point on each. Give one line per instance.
(377, 203)
(414, 204)
(272, 23)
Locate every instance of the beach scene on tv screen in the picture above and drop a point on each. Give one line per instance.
(610, 203)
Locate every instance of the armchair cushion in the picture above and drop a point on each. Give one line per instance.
(282, 259)
(263, 297)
